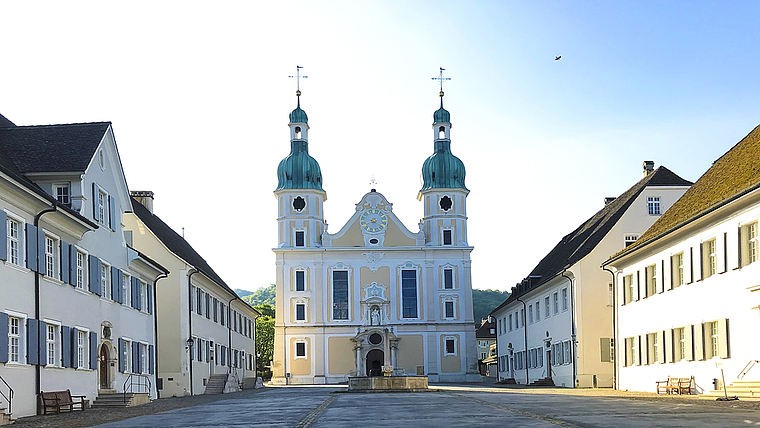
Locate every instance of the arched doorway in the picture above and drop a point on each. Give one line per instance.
(375, 361)
(105, 381)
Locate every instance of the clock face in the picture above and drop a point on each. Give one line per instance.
(373, 220)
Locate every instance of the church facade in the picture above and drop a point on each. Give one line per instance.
(374, 296)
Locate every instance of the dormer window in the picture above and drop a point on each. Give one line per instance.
(298, 132)
(62, 193)
(441, 132)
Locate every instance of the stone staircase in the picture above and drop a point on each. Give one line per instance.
(215, 384)
(5, 418)
(117, 399)
(744, 389)
(547, 381)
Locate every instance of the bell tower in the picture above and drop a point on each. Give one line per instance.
(443, 192)
(299, 192)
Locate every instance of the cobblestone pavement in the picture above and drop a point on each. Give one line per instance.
(448, 405)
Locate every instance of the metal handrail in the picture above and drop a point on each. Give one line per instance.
(9, 397)
(747, 368)
(148, 384)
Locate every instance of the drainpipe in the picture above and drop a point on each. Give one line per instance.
(155, 329)
(525, 329)
(572, 330)
(229, 332)
(190, 322)
(498, 365)
(614, 329)
(38, 368)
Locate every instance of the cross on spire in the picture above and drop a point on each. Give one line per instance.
(440, 78)
(373, 182)
(298, 78)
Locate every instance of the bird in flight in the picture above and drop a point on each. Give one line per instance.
(557, 58)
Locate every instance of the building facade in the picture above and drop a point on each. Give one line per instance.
(204, 328)
(558, 322)
(686, 290)
(485, 336)
(374, 295)
(77, 307)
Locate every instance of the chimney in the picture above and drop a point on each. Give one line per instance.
(145, 197)
(648, 167)
(608, 199)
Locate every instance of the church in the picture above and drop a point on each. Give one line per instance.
(374, 297)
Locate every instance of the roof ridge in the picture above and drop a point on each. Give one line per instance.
(53, 125)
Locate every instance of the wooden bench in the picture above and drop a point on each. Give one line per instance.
(676, 385)
(58, 401)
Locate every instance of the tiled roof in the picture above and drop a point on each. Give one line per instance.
(484, 331)
(5, 123)
(52, 148)
(177, 245)
(737, 171)
(576, 245)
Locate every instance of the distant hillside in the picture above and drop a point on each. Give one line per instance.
(484, 301)
(260, 296)
(242, 293)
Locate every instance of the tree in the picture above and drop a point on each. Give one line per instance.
(484, 301)
(265, 309)
(260, 296)
(264, 339)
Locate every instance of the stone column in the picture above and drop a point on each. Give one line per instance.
(320, 341)
(386, 348)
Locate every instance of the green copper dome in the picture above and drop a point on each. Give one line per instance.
(299, 170)
(298, 115)
(441, 115)
(443, 170)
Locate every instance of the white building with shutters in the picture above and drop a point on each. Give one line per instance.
(687, 291)
(77, 303)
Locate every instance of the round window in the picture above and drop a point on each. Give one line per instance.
(375, 339)
(446, 203)
(299, 203)
(373, 241)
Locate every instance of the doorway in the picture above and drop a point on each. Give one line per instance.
(105, 381)
(549, 364)
(375, 361)
(212, 358)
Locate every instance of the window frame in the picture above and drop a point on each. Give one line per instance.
(406, 295)
(650, 273)
(565, 305)
(556, 302)
(710, 257)
(654, 205)
(302, 306)
(750, 243)
(19, 335)
(20, 257)
(454, 343)
(105, 280)
(448, 278)
(305, 350)
(302, 285)
(126, 288)
(83, 345)
(547, 307)
(341, 310)
(538, 310)
(127, 354)
(677, 267)
(55, 342)
(81, 269)
(449, 302)
(58, 196)
(447, 231)
(302, 234)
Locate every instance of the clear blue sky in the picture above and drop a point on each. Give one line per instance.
(199, 96)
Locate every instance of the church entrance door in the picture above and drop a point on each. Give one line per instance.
(375, 361)
(105, 382)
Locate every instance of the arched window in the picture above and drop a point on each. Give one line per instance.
(441, 132)
(298, 132)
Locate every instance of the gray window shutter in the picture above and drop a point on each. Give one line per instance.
(95, 275)
(65, 262)
(115, 283)
(738, 260)
(135, 357)
(701, 261)
(122, 363)
(150, 298)
(4, 237)
(41, 265)
(72, 265)
(31, 246)
(42, 342)
(93, 350)
(32, 341)
(136, 303)
(3, 334)
(208, 352)
(73, 347)
(208, 306)
(151, 360)
(66, 346)
(112, 212)
(95, 202)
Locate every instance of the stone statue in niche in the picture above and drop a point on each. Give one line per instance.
(375, 316)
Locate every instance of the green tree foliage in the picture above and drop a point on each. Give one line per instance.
(265, 309)
(484, 301)
(260, 296)
(242, 293)
(265, 339)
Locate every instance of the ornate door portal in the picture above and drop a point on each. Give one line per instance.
(375, 361)
(105, 382)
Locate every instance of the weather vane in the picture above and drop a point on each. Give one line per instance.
(440, 78)
(298, 78)
(373, 182)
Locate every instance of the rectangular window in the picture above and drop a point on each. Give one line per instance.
(522, 317)
(216, 309)
(651, 276)
(547, 313)
(450, 347)
(538, 311)
(568, 352)
(50, 257)
(556, 303)
(62, 193)
(105, 280)
(653, 205)
(300, 238)
(14, 339)
(126, 291)
(610, 294)
(448, 278)
(680, 345)
(711, 329)
(300, 312)
(449, 309)
(340, 295)
(81, 269)
(677, 266)
(750, 244)
(51, 344)
(199, 349)
(447, 237)
(564, 299)
(198, 301)
(144, 357)
(630, 239)
(81, 349)
(300, 349)
(710, 258)
(409, 293)
(14, 244)
(127, 356)
(654, 348)
(530, 314)
(222, 306)
(628, 288)
(510, 322)
(300, 280)
(144, 296)
(103, 215)
(630, 350)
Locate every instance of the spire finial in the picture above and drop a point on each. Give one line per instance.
(440, 78)
(298, 78)
(373, 183)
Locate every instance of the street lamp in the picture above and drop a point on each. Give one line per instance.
(190, 342)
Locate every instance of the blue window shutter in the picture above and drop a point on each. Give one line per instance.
(31, 246)
(112, 212)
(3, 335)
(73, 265)
(66, 346)
(32, 341)
(151, 360)
(93, 350)
(114, 284)
(74, 347)
(42, 342)
(208, 352)
(41, 265)
(95, 275)
(121, 287)
(95, 202)
(4, 237)
(150, 299)
(122, 363)
(135, 357)
(64, 262)
(135, 291)
(208, 306)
